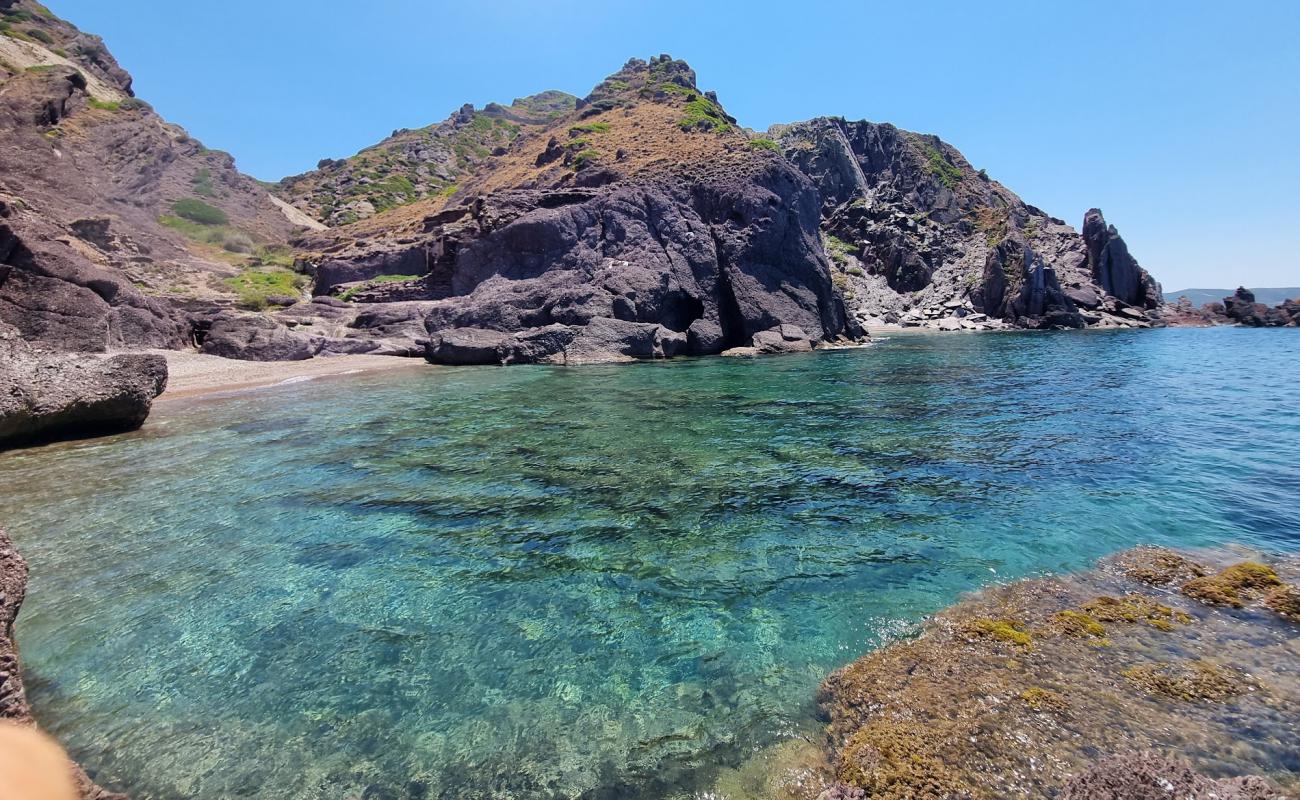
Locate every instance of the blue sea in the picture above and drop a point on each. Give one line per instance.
(597, 582)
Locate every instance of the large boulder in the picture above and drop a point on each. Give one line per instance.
(13, 697)
(601, 340)
(253, 337)
(464, 346)
(47, 396)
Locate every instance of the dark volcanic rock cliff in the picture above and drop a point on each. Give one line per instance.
(1113, 268)
(583, 242)
(919, 236)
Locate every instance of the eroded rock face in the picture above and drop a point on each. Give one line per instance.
(13, 699)
(1114, 269)
(638, 271)
(54, 295)
(920, 238)
(47, 396)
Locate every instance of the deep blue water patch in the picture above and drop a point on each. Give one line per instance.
(543, 582)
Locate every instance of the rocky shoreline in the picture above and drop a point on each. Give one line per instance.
(13, 698)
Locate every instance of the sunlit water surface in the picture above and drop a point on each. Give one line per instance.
(603, 581)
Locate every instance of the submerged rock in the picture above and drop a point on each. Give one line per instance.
(1015, 691)
(13, 698)
(51, 396)
(1152, 776)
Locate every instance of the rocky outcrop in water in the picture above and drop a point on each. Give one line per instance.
(13, 698)
(1153, 776)
(1239, 308)
(1242, 309)
(47, 396)
(648, 271)
(1013, 692)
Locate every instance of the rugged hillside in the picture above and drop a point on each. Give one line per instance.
(920, 237)
(414, 165)
(639, 221)
(106, 210)
(642, 224)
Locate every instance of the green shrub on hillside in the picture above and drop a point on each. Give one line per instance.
(584, 158)
(196, 210)
(765, 144)
(589, 127)
(704, 114)
(940, 167)
(203, 183)
(375, 281)
(839, 250)
(103, 105)
(236, 242)
(274, 256)
(40, 36)
(254, 286)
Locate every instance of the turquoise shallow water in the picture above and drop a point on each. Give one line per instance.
(601, 581)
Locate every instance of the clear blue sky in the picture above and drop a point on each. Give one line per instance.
(1179, 119)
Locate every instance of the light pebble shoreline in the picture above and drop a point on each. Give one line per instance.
(193, 374)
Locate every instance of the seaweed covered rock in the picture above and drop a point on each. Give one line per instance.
(47, 396)
(1014, 691)
(13, 698)
(1153, 776)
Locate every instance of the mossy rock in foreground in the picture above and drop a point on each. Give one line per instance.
(1015, 691)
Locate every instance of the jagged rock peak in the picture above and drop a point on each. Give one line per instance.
(640, 79)
(1113, 267)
